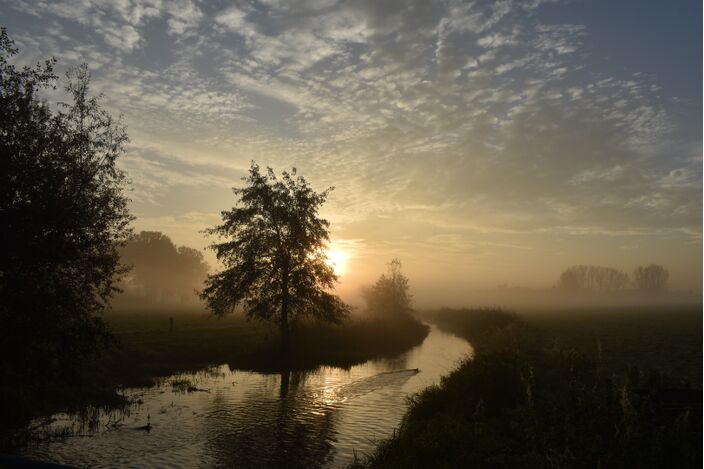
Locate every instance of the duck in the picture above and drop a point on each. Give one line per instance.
(148, 426)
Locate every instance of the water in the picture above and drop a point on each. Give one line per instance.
(232, 418)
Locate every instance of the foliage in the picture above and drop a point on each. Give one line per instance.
(593, 278)
(390, 294)
(160, 269)
(63, 214)
(652, 278)
(274, 254)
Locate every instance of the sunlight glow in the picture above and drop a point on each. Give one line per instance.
(337, 259)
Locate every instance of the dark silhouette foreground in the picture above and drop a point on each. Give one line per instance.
(63, 214)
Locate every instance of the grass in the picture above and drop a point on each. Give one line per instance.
(150, 350)
(665, 339)
(537, 394)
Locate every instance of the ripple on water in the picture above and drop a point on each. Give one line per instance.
(246, 419)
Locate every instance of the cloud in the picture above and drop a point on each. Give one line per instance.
(233, 19)
(183, 16)
(451, 119)
(152, 171)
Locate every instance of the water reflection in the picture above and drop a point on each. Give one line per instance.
(282, 430)
(231, 418)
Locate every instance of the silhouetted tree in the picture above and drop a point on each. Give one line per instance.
(161, 269)
(151, 255)
(63, 214)
(652, 278)
(192, 270)
(274, 254)
(593, 278)
(390, 294)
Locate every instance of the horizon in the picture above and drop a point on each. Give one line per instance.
(483, 144)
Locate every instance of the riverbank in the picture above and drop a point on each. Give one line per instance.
(150, 349)
(231, 418)
(529, 399)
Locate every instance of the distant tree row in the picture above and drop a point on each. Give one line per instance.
(651, 278)
(161, 271)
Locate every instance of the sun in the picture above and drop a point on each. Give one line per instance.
(337, 259)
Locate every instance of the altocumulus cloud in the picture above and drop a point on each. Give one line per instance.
(460, 119)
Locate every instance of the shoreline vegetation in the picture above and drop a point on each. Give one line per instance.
(550, 390)
(199, 341)
(148, 351)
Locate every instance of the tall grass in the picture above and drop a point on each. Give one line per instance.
(522, 402)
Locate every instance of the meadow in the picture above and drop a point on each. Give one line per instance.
(149, 349)
(666, 339)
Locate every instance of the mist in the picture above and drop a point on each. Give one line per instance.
(351, 233)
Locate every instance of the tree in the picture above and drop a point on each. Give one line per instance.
(652, 278)
(63, 214)
(162, 270)
(274, 254)
(151, 256)
(593, 278)
(192, 270)
(389, 295)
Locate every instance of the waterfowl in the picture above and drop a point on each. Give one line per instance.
(148, 426)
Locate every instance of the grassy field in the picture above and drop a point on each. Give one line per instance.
(542, 392)
(666, 339)
(149, 349)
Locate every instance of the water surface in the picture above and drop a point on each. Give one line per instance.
(232, 418)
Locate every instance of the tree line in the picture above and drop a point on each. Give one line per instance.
(593, 278)
(160, 271)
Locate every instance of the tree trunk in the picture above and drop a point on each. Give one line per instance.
(285, 381)
(285, 337)
(285, 332)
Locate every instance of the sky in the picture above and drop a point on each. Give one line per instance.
(482, 143)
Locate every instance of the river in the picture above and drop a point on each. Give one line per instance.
(225, 417)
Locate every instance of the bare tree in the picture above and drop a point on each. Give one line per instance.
(652, 278)
(593, 278)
